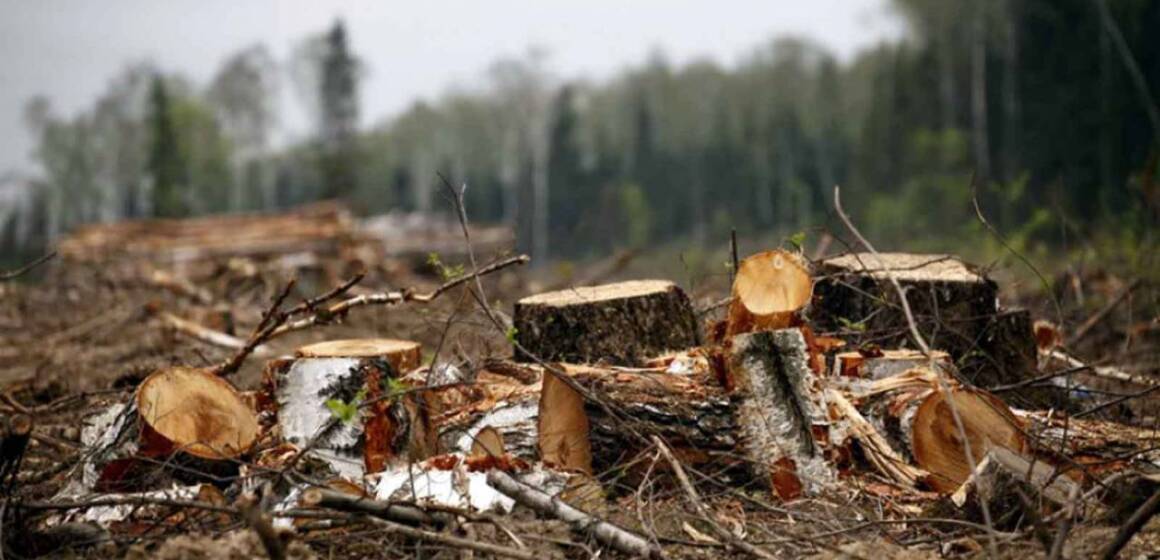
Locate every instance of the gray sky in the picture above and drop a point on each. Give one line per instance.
(69, 50)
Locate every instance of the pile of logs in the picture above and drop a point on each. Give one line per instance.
(598, 374)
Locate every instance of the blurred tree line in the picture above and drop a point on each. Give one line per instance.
(1049, 103)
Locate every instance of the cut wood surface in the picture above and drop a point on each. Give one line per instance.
(624, 323)
(195, 412)
(780, 404)
(768, 290)
(306, 392)
(914, 413)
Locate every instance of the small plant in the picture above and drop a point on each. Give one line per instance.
(797, 239)
(346, 411)
(511, 334)
(445, 272)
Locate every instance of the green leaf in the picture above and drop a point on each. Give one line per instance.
(797, 239)
(511, 335)
(342, 410)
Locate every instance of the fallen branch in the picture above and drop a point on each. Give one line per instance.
(390, 298)
(6, 276)
(605, 533)
(206, 334)
(398, 513)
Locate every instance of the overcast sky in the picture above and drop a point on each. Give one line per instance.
(69, 49)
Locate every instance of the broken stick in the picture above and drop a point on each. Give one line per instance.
(605, 533)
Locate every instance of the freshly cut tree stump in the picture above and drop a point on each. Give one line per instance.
(915, 415)
(189, 416)
(195, 412)
(768, 290)
(950, 300)
(621, 324)
(692, 413)
(780, 408)
(331, 379)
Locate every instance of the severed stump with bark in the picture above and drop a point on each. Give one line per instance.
(780, 408)
(950, 299)
(622, 324)
(186, 418)
(337, 398)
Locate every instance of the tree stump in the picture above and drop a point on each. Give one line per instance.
(780, 407)
(769, 289)
(623, 324)
(185, 416)
(332, 379)
(950, 300)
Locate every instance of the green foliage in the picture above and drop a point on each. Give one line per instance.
(637, 214)
(859, 326)
(511, 335)
(797, 239)
(346, 411)
(445, 272)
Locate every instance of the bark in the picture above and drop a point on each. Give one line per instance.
(693, 414)
(883, 364)
(494, 402)
(301, 396)
(623, 324)
(951, 302)
(779, 408)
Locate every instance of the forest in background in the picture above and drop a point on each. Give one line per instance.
(1049, 104)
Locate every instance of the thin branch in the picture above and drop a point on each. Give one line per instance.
(12, 274)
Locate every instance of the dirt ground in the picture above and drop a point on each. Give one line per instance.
(76, 337)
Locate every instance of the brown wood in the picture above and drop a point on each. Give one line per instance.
(768, 290)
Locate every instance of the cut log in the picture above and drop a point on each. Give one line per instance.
(769, 289)
(950, 300)
(692, 413)
(622, 324)
(328, 379)
(915, 414)
(780, 408)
